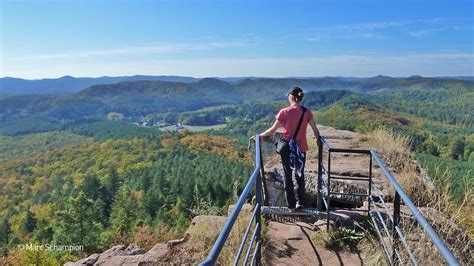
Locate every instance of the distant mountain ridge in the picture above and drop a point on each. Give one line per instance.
(10, 86)
(69, 84)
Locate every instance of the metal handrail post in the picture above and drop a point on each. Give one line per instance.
(328, 190)
(259, 199)
(320, 175)
(396, 221)
(370, 185)
(263, 181)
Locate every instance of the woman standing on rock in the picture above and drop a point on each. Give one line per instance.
(293, 145)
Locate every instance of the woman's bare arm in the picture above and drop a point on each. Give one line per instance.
(272, 129)
(269, 131)
(315, 130)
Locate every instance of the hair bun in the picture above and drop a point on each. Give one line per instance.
(300, 94)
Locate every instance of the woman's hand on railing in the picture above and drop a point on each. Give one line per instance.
(252, 138)
(317, 140)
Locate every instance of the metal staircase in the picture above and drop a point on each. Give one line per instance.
(385, 221)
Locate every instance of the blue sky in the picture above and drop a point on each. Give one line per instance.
(42, 39)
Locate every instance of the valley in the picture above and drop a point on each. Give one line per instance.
(75, 169)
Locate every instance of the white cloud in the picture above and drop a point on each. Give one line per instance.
(313, 39)
(373, 30)
(429, 31)
(136, 50)
(424, 32)
(359, 26)
(350, 31)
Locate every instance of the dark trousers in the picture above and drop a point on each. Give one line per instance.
(291, 200)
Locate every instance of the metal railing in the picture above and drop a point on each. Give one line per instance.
(388, 226)
(385, 222)
(255, 219)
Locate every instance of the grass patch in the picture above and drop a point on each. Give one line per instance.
(360, 239)
(202, 237)
(345, 238)
(458, 173)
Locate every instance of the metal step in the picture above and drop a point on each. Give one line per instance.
(284, 211)
(352, 178)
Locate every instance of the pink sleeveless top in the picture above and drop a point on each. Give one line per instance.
(289, 117)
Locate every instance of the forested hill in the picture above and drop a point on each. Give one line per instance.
(208, 87)
(132, 99)
(267, 89)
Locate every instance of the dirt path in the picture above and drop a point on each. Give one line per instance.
(291, 244)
